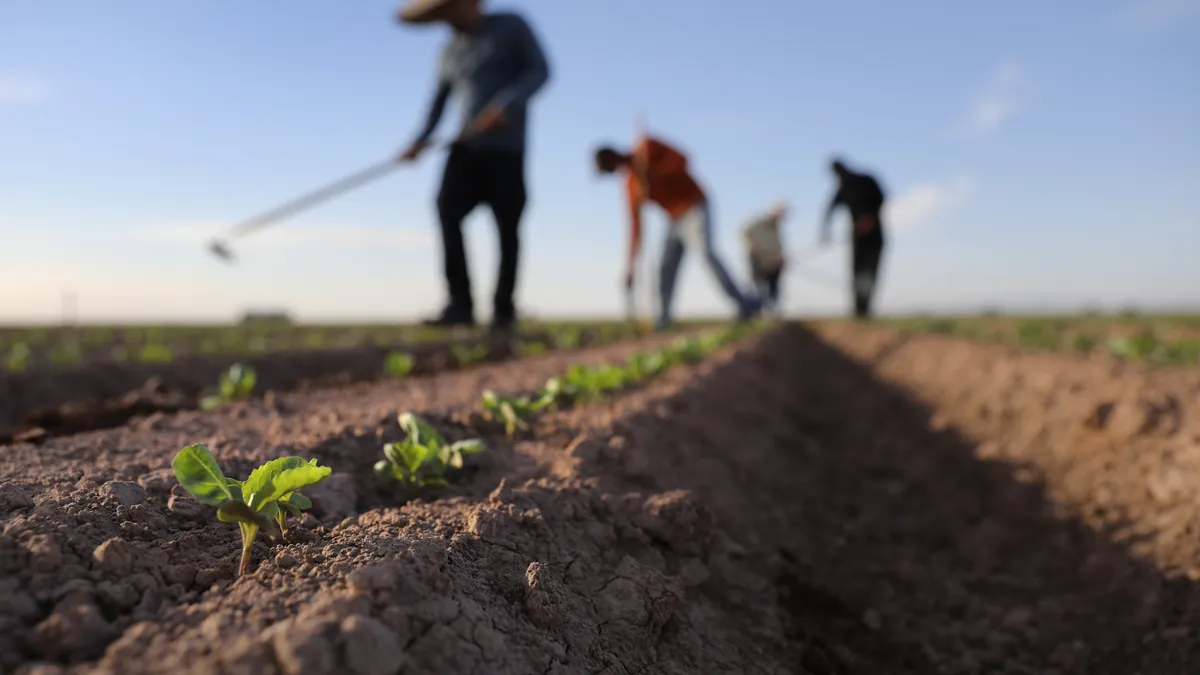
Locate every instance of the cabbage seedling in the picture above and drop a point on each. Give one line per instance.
(466, 356)
(399, 364)
(513, 411)
(421, 459)
(155, 353)
(262, 502)
(236, 384)
(531, 349)
(19, 356)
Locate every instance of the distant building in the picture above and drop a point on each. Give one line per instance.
(273, 316)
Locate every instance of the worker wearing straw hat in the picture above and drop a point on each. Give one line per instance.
(494, 64)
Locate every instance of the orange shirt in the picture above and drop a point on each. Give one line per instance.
(666, 171)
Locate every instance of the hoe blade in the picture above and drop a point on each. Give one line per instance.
(221, 250)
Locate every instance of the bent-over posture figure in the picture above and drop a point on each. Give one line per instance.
(656, 172)
(765, 249)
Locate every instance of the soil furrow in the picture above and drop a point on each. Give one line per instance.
(46, 403)
(783, 507)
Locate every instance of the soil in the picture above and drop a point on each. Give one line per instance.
(848, 501)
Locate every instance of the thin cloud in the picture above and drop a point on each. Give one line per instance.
(1001, 99)
(298, 236)
(922, 205)
(1152, 16)
(22, 90)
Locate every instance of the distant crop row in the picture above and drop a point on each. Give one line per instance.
(1158, 343)
(424, 459)
(24, 348)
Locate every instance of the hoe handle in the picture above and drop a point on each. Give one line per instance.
(315, 197)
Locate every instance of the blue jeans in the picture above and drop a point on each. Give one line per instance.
(693, 230)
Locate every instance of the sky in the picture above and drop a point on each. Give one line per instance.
(1035, 154)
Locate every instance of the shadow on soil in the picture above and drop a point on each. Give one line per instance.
(894, 548)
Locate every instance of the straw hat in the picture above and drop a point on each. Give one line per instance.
(421, 11)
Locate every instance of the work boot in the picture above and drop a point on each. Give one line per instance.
(750, 309)
(503, 326)
(451, 317)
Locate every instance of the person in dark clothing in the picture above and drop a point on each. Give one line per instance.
(862, 196)
(494, 64)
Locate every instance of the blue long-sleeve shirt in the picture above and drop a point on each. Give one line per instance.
(502, 64)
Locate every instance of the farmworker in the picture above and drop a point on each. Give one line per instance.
(861, 195)
(494, 64)
(656, 172)
(765, 251)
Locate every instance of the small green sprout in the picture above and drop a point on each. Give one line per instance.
(1084, 343)
(236, 384)
(421, 459)
(1143, 345)
(261, 503)
(645, 365)
(19, 356)
(66, 353)
(155, 353)
(466, 356)
(399, 364)
(513, 411)
(531, 349)
(568, 338)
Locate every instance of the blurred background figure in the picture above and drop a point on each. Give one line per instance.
(494, 64)
(656, 172)
(765, 250)
(861, 195)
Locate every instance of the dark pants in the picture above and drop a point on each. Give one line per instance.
(473, 177)
(767, 283)
(866, 252)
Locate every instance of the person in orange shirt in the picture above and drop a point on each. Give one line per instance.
(656, 172)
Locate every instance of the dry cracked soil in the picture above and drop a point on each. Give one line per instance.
(833, 499)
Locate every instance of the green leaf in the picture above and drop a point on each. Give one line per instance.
(298, 501)
(490, 401)
(211, 402)
(198, 472)
(468, 447)
(434, 481)
(290, 480)
(237, 512)
(261, 478)
(413, 456)
(419, 432)
(393, 454)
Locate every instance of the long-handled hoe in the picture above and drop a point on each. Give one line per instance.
(221, 247)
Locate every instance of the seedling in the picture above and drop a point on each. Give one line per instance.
(19, 356)
(644, 366)
(66, 354)
(1143, 345)
(568, 338)
(1037, 335)
(155, 353)
(513, 411)
(261, 503)
(236, 384)
(466, 356)
(1084, 343)
(421, 459)
(399, 364)
(531, 349)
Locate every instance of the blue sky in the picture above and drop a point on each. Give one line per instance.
(1036, 153)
